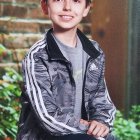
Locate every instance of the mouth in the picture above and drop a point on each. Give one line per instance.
(66, 17)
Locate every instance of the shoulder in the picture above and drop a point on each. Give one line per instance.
(96, 45)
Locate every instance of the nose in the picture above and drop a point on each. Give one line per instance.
(67, 5)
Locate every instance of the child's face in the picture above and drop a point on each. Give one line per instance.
(65, 14)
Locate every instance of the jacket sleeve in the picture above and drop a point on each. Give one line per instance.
(38, 89)
(103, 109)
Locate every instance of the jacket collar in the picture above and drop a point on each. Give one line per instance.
(55, 53)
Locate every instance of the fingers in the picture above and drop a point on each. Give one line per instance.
(98, 129)
(91, 128)
(84, 122)
(105, 133)
(100, 132)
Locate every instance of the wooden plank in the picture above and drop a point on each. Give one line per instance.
(109, 28)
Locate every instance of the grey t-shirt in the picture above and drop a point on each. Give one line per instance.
(77, 57)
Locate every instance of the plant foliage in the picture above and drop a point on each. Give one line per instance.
(124, 129)
(9, 103)
(4, 53)
(128, 129)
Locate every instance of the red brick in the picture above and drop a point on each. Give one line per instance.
(21, 1)
(20, 43)
(15, 11)
(29, 1)
(4, 1)
(18, 54)
(15, 66)
(5, 56)
(24, 26)
(36, 13)
(22, 11)
(19, 40)
(1, 9)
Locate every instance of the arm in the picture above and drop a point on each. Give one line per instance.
(102, 110)
(38, 90)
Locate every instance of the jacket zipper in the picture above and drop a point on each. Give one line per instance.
(73, 82)
(70, 69)
(74, 85)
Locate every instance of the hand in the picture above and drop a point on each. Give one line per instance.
(97, 129)
(84, 122)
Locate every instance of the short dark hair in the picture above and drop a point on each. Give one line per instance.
(87, 2)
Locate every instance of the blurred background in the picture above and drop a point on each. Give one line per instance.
(114, 24)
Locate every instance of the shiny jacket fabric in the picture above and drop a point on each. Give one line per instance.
(49, 96)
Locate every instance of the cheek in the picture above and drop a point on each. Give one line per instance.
(49, 12)
(52, 14)
(52, 11)
(80, 12)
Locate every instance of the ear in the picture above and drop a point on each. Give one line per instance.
(44, 6)
(86, 10)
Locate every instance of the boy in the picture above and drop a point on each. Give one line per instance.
(65, 96)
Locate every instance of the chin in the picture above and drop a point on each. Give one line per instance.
(68, 27)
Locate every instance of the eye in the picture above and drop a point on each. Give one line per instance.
(77, 1)
(58, 0)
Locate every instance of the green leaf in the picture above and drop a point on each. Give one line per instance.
(2, 133)
(9, 103)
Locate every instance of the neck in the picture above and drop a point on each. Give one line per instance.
(66, 36)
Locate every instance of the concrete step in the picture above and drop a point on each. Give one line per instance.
(17, 25)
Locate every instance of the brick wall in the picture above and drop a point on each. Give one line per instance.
(22, 23)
